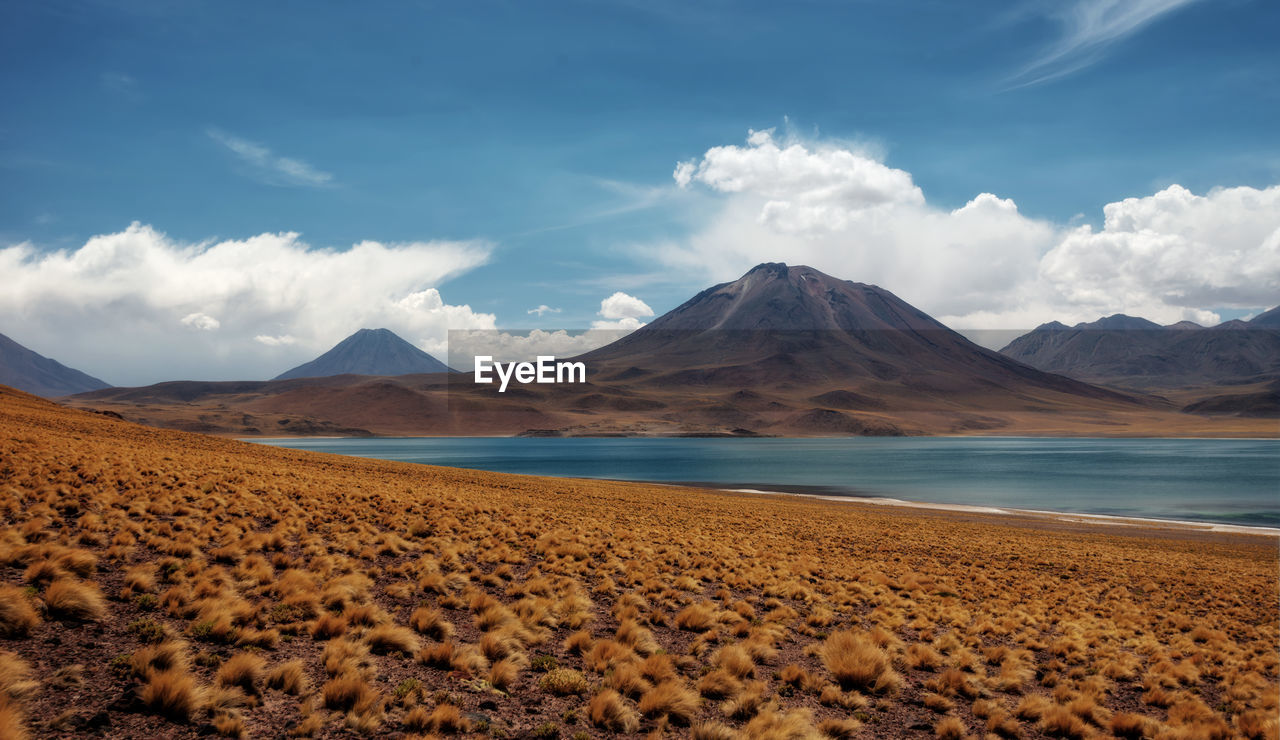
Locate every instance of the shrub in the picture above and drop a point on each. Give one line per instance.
(147, 630)
(563, 682)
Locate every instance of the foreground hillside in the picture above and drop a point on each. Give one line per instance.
(162, 584)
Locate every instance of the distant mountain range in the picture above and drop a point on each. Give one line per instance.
(1130, 352)
(369, 352)
(29, 371)
(781, 351)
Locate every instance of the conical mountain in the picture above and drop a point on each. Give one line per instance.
(369, 352)
(32, 372)
(789, 327)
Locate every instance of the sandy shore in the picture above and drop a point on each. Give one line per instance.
(1104, 519)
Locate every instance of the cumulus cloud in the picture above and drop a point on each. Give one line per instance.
(269, 167)
(542, 309)
(1168, 256)
(137, 307)
(803, 190)
(623, 306)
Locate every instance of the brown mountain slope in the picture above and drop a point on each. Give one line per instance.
(1128, 352)
(781, 351)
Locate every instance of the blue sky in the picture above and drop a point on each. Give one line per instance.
(546, 134)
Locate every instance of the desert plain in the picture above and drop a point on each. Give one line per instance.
(157, 583)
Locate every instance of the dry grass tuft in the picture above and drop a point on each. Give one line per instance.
(70, 599)
(857, 663)
(17, 616)
(610, 711)
(12, 723)
(949, 728)
(391, 638)
(173, 693)
(289, 677)
(243, 671)
(670, 699)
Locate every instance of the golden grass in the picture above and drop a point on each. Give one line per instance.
(576, 606)
(68, 598)
(610, 711)
(856, 662)
(17, 616)
(173, 693)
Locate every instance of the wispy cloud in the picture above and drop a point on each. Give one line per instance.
(120, 85)
(267, 166)
(1089, 29)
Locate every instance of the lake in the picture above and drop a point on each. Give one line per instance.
(1227, 481)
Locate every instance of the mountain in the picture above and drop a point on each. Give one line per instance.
(782, 351)
(1269, 319)
(369, 352)
(1129, 352)
(784, 327)
(28, 371)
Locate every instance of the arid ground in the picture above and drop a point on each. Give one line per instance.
(157, 583)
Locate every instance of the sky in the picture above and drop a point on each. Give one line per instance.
(223, 190)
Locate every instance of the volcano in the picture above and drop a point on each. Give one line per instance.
(781, 327)
(369, 352)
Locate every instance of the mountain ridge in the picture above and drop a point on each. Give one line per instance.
(30, 371)
(1131, 352)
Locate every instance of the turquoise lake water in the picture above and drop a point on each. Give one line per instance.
(1210, 480)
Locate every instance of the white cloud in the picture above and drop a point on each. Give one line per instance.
(1089, 27)
(267, 166)
(543, 309)
(123, 305)
(1175, 248)
(623, 306)
(201, 321)
(803, 189)
(1168, 256)
(270, 341)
